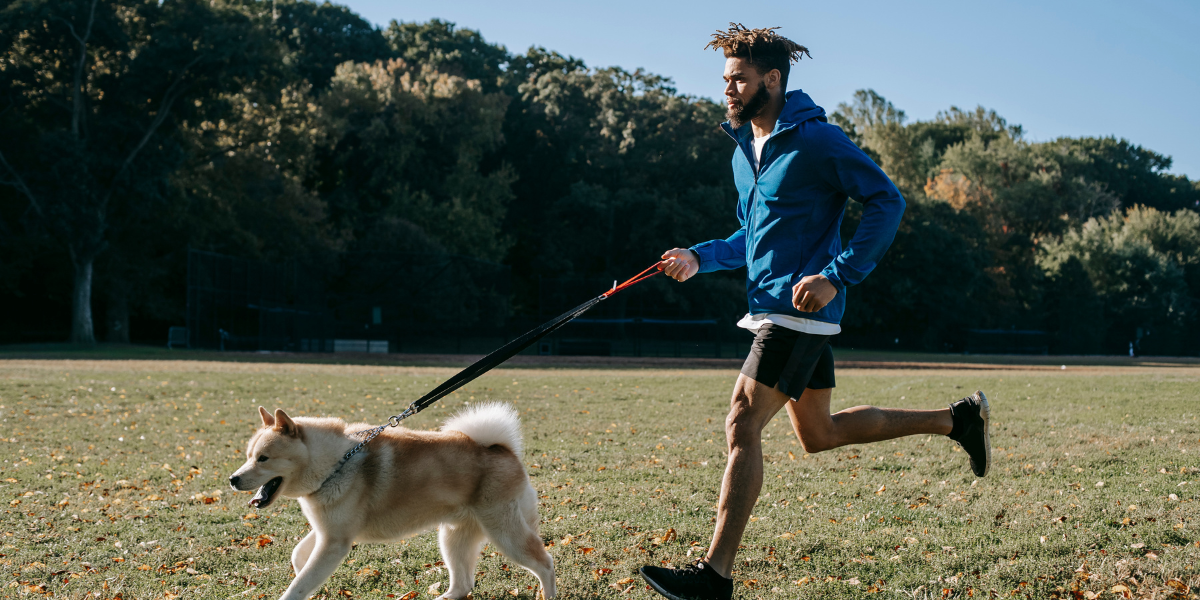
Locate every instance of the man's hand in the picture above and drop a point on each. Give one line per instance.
(812, 293)
(679, 264)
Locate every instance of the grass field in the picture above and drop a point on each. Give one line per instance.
(114, 479)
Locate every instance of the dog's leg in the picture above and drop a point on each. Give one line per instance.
(302, 551)
(460, 544)
(514, 533)
(326, 555)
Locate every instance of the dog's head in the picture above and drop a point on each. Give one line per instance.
(275, 454)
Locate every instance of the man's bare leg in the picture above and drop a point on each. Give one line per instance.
(818, 430)
(751, 408)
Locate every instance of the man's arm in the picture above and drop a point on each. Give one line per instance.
(849, 169)
(716, 255)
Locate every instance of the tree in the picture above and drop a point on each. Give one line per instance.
(406, 145)
(94, 90)
(931, 285)
(1142, 265)
(1135, 175)
(459, 52)
(321, 36)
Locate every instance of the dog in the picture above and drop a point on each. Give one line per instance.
(467, 480)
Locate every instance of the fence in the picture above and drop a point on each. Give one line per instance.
(424, 303)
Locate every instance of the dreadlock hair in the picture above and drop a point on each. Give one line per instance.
(764, 48)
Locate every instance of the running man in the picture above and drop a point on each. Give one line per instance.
(794, 173)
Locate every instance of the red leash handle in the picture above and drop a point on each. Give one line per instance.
(635, 279)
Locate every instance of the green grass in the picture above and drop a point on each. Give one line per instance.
(627, 462)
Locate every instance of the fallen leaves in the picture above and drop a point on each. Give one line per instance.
(668, 536)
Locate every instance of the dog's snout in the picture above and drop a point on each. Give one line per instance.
(233, 481)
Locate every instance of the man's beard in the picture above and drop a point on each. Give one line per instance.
(740, 116)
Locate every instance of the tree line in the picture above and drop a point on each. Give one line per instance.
(132, 130)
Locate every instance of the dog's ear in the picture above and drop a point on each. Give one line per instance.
(284, 424)
(267, 419)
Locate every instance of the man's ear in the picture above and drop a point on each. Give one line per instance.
(267, 419)
(284, 424)
(774, 78)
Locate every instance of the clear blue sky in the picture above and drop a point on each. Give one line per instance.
(1059, 68)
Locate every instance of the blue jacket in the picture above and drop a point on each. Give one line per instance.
(791, 211)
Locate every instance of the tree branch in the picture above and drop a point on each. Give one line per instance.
(169, 97)
(77, 112)
(21, 187)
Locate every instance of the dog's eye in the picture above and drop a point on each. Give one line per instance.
(262, 458)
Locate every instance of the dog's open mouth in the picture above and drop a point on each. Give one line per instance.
(266, 493)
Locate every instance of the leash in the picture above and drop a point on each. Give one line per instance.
(490, 362)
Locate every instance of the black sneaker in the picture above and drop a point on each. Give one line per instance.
(971, 430)
(695, 582)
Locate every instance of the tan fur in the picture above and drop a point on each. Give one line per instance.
(403, 483)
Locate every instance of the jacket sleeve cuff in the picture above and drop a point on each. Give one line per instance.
(831, 274)
(701, 250)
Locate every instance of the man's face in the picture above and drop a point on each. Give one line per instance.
(746, 90)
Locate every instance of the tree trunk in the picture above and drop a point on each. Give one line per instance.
(82, 331)
(117, 319)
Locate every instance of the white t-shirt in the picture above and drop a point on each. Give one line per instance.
(758, 144)
(754, 322)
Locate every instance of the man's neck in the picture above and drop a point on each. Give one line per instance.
(764, 123)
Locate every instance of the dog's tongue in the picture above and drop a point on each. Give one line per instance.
(259, 497)
(266, 493)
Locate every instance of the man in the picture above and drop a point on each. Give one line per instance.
(794, 173)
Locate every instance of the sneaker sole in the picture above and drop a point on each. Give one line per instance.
(985, 412)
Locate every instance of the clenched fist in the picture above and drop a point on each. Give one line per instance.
(812, 293)
(679, 264)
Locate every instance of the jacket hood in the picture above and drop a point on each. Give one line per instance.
(798, 107)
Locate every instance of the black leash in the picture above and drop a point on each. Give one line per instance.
(488, 363)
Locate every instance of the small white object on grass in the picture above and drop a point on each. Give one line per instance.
(1064, 367)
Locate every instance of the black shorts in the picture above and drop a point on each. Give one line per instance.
(793, 359)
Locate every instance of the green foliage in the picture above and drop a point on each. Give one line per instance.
(460, 52)
(1026, 198)
(930, 286)
(293, 129)
(400, 147)
(1142, 266)
(94, 91)
(321, 36)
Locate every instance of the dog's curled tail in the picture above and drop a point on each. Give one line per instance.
(489, 423)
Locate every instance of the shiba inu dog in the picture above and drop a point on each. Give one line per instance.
(467, 480)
